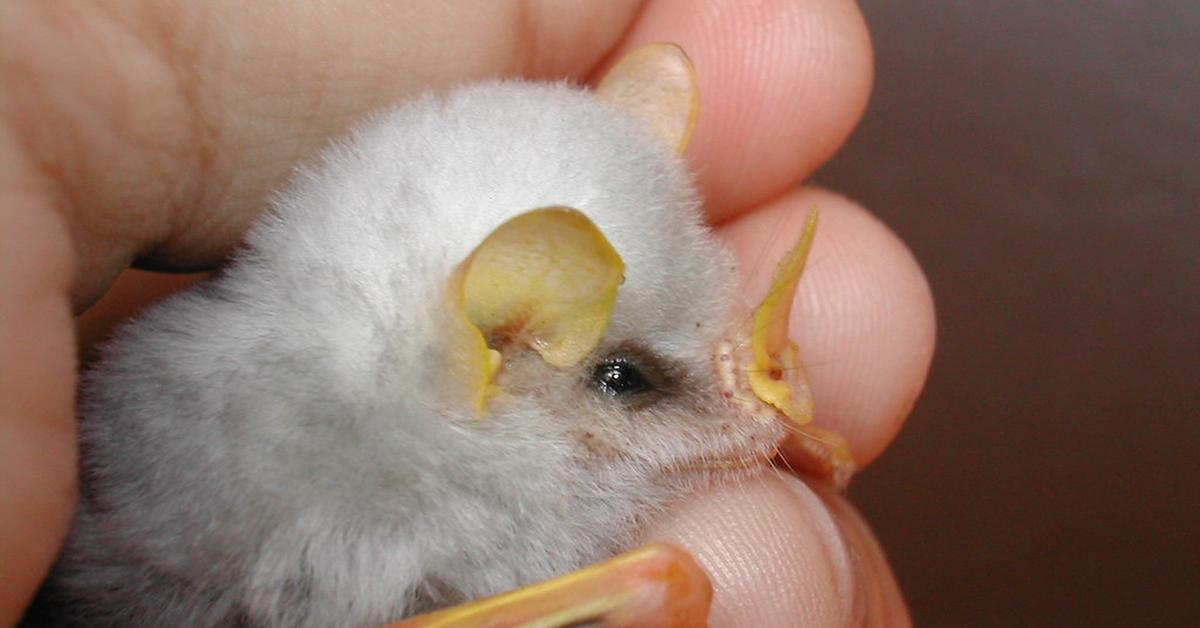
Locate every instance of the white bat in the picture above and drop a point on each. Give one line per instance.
(469, 348)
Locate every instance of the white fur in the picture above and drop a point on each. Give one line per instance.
(279, 446)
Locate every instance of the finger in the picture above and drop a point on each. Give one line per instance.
(37, 380)
(165, 127)
(782, 83)
(863, 318)
(133, 291)
(880, 601)
(780, 554)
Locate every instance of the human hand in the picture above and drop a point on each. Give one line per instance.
(151, 132)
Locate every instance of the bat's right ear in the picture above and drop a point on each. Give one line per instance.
(546, 279)
(658, 84)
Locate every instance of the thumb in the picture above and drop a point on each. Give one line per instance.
(782, 553)
(37, 383)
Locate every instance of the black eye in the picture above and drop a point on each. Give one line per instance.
(619, 377)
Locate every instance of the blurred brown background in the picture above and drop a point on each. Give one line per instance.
(1043, 161)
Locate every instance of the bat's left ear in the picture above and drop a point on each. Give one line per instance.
(547, 279)
(658, 84)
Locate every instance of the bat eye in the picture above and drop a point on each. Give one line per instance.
(619, 377)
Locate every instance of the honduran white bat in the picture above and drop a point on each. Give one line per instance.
(471, 347)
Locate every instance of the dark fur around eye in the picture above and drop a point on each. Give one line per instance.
(620, 377)
(636, 377)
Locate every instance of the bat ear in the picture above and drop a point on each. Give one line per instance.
(658, 84)
(547, 278)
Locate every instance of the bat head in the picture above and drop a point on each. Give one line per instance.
(630, 359)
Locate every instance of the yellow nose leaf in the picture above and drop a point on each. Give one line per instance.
(776, 376)
(547, 278)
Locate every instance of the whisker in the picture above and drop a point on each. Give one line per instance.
(779, 473)
(786, 463)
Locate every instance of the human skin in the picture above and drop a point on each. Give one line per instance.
(151, 133)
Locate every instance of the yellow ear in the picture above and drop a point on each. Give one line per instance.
(548, 279)
(776, 376)
(658, 84)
